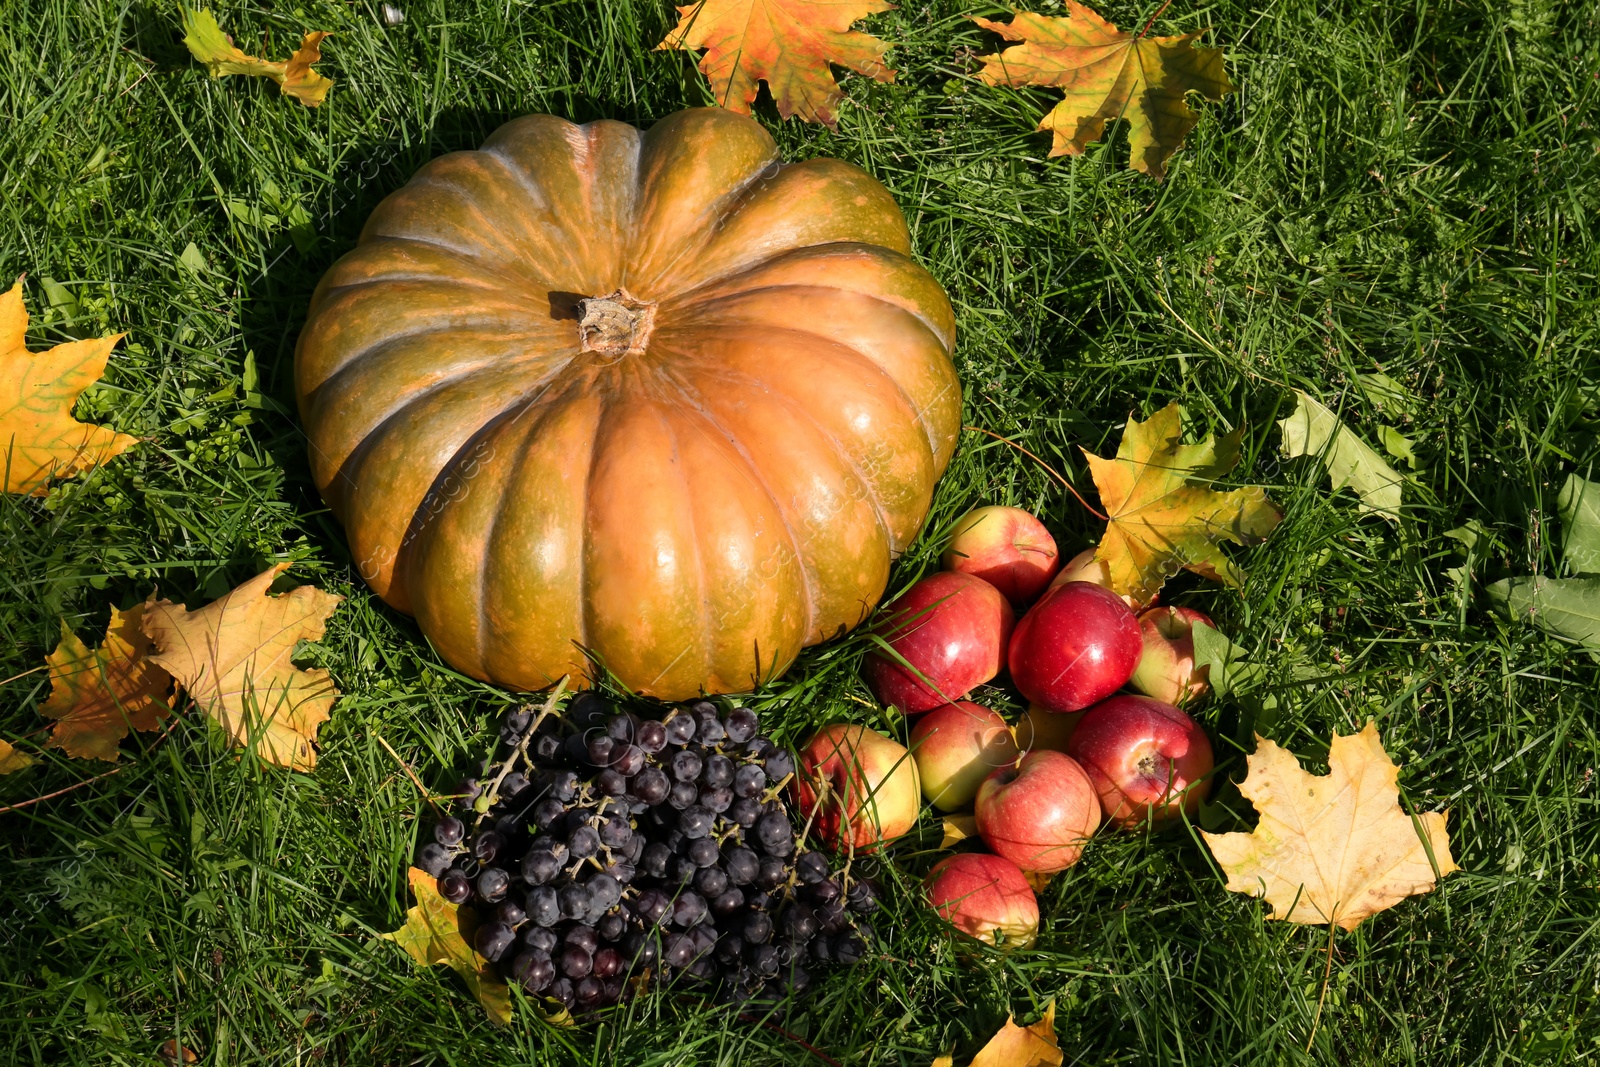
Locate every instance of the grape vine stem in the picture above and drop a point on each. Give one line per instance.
(409, 772)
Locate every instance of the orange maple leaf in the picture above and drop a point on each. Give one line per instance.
(1018, 1046)
(232, 658)
(1108, 74)
(39, 438)
(207, 43)
(97, 695)
(1163, 513)
(786, 43)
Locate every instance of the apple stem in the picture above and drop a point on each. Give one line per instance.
(1006, 440)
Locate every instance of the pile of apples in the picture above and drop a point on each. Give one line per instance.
(1083, 754)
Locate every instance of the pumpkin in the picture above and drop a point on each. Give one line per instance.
(650, 397)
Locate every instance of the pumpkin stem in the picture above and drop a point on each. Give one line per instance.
(616, 324)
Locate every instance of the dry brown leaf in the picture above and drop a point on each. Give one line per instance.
(97, 695)
(39, 438)
(1163, 513)
(436, 931)
(1023, 1046)
(232, 658)
(207, 43)
(957, 828)
(789, 44)
(1108, 74)
(13, 759)
(1332, 848)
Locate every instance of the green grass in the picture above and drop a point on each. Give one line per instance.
(1410, 186)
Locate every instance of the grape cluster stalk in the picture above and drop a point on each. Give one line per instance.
(608, 852)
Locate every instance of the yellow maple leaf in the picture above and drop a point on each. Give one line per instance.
(207, 43)
(958, 828)
(789, 44)
(1332, 848)
(39, 438)
(437, 931)
(97, 695)
(1018, 1046)
(1164, 515)
(11, 759)
(232, 658)
(1108, 74)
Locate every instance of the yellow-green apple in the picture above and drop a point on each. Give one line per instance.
(1040, 728)
(1148, 760)
(952, 629)
(956, 747)
(1040, 813)
(859, 786)
(1006, 547)
(1166, 669)
(1085, 568)
(985, 897)
(1075, 647)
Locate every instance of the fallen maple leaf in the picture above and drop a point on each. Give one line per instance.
(12, 760)
(1332, 848)
(1108, 74)
(232, 658)
(39, 438)
(1312, 430)
(97, 695)
(437, 931)
(789, 44)
(207, 43)
(1162, 513)
(1018, 1046)
(958, 828)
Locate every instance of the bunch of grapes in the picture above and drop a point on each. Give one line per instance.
(607, 846)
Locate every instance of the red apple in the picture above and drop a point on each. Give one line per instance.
(986, 898)
(1077, 646)
(1039, 813)
(953, 629)
(860, 786)
(1166, 669)
(1006, 547)
(1148, 760)
(956, 747)
(1041, 729)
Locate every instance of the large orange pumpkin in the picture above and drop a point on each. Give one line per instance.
(650, 394)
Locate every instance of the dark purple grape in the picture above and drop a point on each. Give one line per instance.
(615, 832)
(540, 867)
(848, 948)
(651, 785)
(711, 882)
(686, 765)
(611, 782)
(759, 899)
(697, 822)
(590, 991)
(512, 785)
(763, 959)
(540, 973)
(689, 908)
(796, 978)
(683, 795)
(454, 886)
(745, 811)
(546, 812)
(543, 905)
(652, 906)
(598, 750)
(821, 950)
(433, 858)
(547, 747)
(825, 892)
(710, 732)
(574, 900)
(757, 928)
(779, 765)
(653, 860)
(449, 831)
(492, 940)
(620, 727)
(772, 873)
(584, 937)
(703, 851)
(607, 962)
(742, 865)
(651, 736)
(541, 939)
(583, 842)
(800, 923)
(703, 710)
(741, 725)
(641, 948)
(605, 890)
(727, 903)
(705, 938)
(749, 780)
(633, 847)
(863, 900)
(730, 947)
(684, 869)
(628, 760)
(680, 729)
(678, 951)
(510, 913)
(830, 918)
(563, 786)
(468, 791)
(718, 800)
(611, 927)
(811, 867)
(486, 846)
(576, 962)
(514, 724)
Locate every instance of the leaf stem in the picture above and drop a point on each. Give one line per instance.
(1164, 5)
(1327, 975)
(1057, 474)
